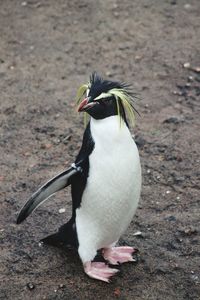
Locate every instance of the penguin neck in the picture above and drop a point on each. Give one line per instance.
(110, 123)
(109, 129)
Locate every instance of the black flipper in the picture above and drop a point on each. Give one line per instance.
(66, 236)
(54, 185)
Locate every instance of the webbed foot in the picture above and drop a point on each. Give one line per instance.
(119, 255)
(100, 271)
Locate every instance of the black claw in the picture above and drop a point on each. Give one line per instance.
(135, 256)
(136, 251)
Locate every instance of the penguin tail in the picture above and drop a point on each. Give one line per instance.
(65, 237)
(52, 240)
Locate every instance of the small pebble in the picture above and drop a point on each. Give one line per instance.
(137, 233)
(196, 69)
(195, 277)
(138, 57)
(108, 73)
(61, 210)
(115, 5)
(168, 192)
(30, 286)
(175, 92)
(173, 120)
(190, 231)
(46, 146)
(179, 240)
(179, 93)
(56, 141)
(67, 139)
(116, 14)
(117, 292)
(171, 218)
(24, 3)
(190, 78)
(186, 65)
(187, 6)
(27, 154)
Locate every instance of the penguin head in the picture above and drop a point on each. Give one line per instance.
(103, 98)
(98, 109)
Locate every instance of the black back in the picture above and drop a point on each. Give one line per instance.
(67, 234)
(79, 181)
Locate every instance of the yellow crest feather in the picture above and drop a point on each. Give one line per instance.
(81, 91)
(126, 101)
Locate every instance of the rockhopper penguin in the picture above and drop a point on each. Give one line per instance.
(105, 180)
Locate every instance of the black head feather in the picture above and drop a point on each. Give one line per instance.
(99, 85)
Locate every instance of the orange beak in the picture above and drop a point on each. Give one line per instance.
(86, 105)
(83, 103)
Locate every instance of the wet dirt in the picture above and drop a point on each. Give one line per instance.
(47, 49)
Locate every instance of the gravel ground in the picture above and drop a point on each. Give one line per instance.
(47, 49)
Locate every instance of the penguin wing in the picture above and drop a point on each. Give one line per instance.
(62, 180)
(52, 186)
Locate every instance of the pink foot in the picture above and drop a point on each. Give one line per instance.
(119, 255)
(99, 270)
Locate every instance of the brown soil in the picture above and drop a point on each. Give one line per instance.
(48, 48)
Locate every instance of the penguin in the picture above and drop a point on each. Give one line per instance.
(105, 180)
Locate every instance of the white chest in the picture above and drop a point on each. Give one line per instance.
(113, 186)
